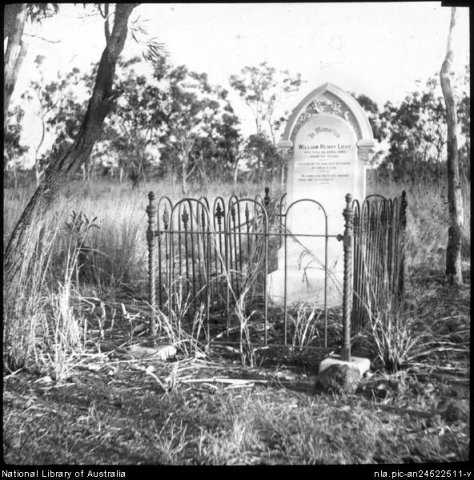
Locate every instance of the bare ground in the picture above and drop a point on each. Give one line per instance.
(110, 409)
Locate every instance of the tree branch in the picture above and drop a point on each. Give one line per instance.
(41, 38)
(106, 23)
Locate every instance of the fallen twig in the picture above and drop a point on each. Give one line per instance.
(231, 381)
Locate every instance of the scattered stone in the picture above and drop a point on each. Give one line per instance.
(159, 352)
(456, 410)
(342, 378)
(362, 364)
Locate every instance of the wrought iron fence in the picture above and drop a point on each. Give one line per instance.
(214, 257)
(379, 256)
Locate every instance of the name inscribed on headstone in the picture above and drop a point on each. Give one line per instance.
(324, 156)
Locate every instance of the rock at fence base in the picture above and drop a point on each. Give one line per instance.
(456, 410)
(158, 352)
(342, 378)
(361, 363)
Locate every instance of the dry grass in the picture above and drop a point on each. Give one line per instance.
(115, 412)
(83, 300)
(427, 223)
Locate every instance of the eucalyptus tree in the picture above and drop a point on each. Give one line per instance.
(59, 113)
(262, 158)
(414, 130)
(263, 89)
(59, 171)
(453, 251)
(136, 123)
(195, 113)
(16, 17)
(416, 133)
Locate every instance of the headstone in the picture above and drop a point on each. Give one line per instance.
(328, 142)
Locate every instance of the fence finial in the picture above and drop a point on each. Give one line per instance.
(266, 198)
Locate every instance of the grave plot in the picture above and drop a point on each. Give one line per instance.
(292, 272)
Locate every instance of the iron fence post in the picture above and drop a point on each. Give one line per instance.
(150, 237)
(347, 287)
(403, 225)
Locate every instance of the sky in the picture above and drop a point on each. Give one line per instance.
(379, 49)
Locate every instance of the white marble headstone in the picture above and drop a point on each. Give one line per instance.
(329, 141)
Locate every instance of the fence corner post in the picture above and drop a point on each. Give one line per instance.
(403, 224)
(347, 287)
(150, 237)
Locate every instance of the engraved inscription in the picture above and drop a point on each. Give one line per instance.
(324, 163)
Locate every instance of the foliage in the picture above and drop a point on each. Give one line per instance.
(37, 12)
(133, 131)
(59, 111)
(13, 149)
(200, 124)
(263, 160)
(173, 122)
(262, 87)
(174, 119)
(416, 133)
(373, 114)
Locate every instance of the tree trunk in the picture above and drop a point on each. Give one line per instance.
(68, 164)
(282, 174)
(15, 52)
(15, 178)
(235, 175)
(37, 174)
(453, 251)
(184, 168)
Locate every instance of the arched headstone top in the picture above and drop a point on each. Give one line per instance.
(329, 98)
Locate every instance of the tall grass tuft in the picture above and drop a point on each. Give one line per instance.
(305, 321)
(399, 340)
(25, 305)
(171, 321)
(41, 325)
